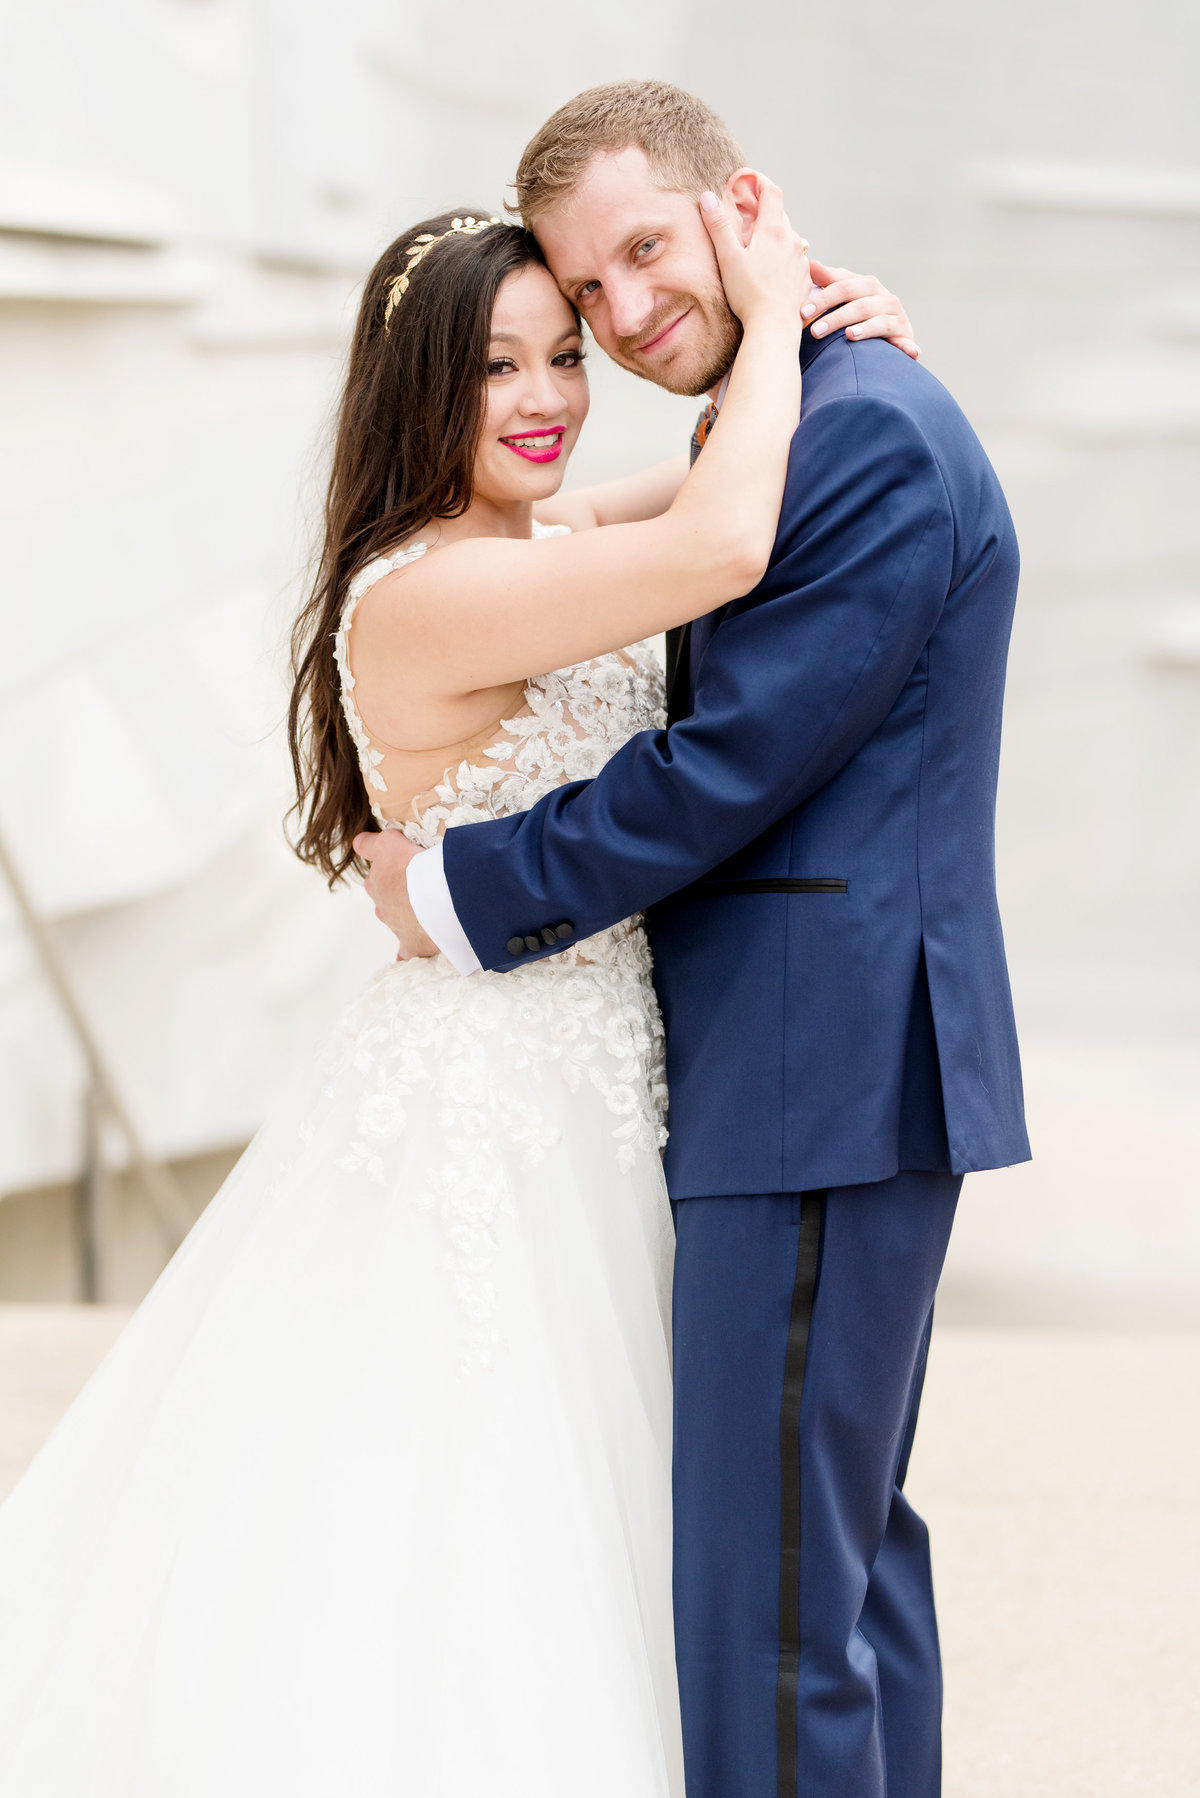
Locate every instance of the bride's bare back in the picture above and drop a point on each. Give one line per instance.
(556, 727)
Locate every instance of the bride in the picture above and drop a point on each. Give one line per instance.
(373, 1494)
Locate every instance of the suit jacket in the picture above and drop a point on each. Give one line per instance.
(813, 839)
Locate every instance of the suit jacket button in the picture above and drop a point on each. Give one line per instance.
(563, 931)
(548, 937)
(531, 942)
(515, 945)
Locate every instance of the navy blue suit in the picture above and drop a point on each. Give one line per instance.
(813, 842)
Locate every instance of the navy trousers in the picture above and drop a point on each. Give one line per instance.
(805, 1626)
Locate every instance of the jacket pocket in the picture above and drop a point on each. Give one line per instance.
(780, 885)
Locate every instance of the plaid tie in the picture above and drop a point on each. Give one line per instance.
(704, 425)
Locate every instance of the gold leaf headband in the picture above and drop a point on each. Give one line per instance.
(421, 246)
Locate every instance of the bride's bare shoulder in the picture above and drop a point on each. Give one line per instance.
(449, 564)
(432, 575)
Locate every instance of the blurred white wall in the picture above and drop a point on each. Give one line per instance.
(189, 192)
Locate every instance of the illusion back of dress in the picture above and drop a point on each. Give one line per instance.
(567, 726)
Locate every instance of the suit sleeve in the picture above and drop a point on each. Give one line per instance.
(795, 679)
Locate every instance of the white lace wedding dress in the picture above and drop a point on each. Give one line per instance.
(372, 1496)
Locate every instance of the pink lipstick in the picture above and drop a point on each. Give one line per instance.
(537, 446)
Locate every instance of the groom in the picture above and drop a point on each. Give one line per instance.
(814, 837)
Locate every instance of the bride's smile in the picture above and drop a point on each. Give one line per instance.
(538, 449)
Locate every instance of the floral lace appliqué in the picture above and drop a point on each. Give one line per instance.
(470, 1059)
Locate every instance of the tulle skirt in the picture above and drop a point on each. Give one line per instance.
(372, 1496)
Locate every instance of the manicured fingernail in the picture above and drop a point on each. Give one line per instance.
(709, 202)
(852, 331)
(818, 330)
(807, 311)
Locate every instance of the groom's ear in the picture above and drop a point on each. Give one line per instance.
(742, 191)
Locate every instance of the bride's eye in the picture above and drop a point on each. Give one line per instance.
(569, 359)
(500, 365)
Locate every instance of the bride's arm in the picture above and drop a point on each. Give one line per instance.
(630, 500)
(859, 304)
(486, 611)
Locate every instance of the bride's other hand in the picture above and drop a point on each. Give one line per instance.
(859, 302)
(388, 853)
(767, 274)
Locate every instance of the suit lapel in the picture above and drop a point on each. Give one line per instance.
(686, 643)
(678, 676)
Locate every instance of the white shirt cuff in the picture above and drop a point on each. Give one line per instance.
(429, 896)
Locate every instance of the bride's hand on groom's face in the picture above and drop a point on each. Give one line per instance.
(762, 261)
(388, 853)
(860, 302)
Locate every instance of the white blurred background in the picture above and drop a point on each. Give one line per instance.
(190, 191)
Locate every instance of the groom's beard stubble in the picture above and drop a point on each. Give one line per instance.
(695, 374)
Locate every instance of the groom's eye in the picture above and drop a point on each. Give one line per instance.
(647, 243)
(588, 289)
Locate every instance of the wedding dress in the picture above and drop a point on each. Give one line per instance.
(372, 1496)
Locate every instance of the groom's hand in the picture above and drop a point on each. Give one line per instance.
(389, 852)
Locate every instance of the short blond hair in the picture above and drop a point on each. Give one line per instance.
(688, 147)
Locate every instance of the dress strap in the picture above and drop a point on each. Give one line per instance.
(375, 570)
(369, 757)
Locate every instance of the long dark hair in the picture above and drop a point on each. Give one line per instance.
(408, 425)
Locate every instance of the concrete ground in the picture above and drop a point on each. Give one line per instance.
(1060, 1473)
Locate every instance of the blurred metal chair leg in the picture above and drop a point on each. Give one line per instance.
(103, 1101)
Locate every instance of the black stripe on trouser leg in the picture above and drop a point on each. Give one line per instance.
(812, 1207)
